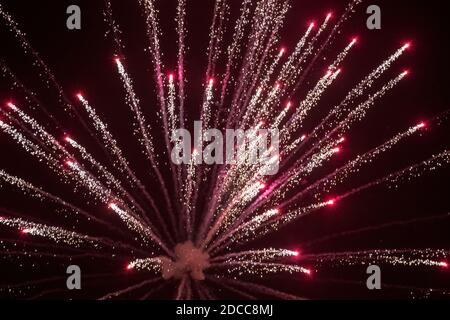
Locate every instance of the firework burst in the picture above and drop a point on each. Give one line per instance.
(194, 225)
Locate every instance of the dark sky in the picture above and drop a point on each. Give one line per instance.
(83, 60)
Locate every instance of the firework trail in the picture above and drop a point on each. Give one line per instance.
(195, 224)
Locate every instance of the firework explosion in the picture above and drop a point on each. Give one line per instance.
(197, 228)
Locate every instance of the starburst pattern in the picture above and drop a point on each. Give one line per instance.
(192, 229)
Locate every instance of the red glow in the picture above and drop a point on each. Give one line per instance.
(79, 96)
(443, 264)
(289, 104)
(407, 45)
(261, 123)
(282, 51)
(171, 77)
(296, 253)
(422, 125)
(67, 139)
(129, 267)
(25, 231)
(406, 72)
(329, 15)
(10, 104)
(117, 60)
(69, 163)
(303, 137)
(331, 202)
(308, 272)
(337, 150)
(312, 24)
(211, 81)
(355, 40)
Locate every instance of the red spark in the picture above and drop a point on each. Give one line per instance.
(10, 104)
(69, 163)
(443, 264)
(129, 267)
(171, 77)
(331, 202)
(211, 81)
(80, 96)
(329, 15)
(282, 51)
(25, 231)
(422, 125)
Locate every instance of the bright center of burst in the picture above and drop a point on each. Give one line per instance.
(189, 261)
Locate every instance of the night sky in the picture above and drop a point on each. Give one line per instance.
(82, 60)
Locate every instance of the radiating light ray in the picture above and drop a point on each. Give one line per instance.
(342, 56)
(251, 267)
(54, 233)
(325, 184)
(134, 224)
(142, 130)
(129, 289)
(245, 230)
(171, 104)
(407, 257)
(38, 130)
(150, 264)
(32, 191)
(181, 30)
(258, 255)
